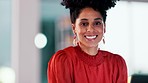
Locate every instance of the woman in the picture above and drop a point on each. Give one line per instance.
(85, 63)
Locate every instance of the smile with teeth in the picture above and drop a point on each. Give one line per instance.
(91, 37)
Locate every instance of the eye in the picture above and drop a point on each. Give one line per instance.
(84, 24)
(97, 23)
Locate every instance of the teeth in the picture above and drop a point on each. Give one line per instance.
(91, 37)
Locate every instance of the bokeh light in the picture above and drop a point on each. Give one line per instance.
(40, 40)
(7, 75)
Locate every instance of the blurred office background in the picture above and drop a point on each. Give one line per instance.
(31, 31)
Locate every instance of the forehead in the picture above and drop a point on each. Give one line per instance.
(89, 13)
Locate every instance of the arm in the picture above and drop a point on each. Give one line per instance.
(59, 69)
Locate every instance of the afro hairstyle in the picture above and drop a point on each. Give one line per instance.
(75, 6)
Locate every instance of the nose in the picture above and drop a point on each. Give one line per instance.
(90, 28)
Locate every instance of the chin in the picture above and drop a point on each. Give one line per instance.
(91, 45)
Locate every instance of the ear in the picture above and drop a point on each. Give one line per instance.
(73, 28)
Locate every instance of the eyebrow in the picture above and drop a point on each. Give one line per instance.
(98, 19)
(94, 19)
(84, 19)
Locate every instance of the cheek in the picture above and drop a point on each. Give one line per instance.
(80, 31)
(100, 30)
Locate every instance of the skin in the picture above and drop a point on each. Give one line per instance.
(89, 29)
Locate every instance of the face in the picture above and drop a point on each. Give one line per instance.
(89, 27)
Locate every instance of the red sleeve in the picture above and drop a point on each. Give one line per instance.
(120, 71)
(59, 70)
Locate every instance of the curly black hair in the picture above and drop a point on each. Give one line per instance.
(75, 6)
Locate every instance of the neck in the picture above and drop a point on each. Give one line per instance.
(89, 50)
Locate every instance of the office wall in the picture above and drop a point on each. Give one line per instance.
(126, 34)
(25, 58)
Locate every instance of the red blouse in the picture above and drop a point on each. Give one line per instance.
(72, 65)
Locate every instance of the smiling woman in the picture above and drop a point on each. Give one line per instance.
(85, 62)
(89, 28)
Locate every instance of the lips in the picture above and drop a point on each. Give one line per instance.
(90, 37)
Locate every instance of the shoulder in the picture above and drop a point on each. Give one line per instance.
(69, 49)
(116, 61)
(116, 58)
(58, 65)
(117, 66)
(61, 55)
